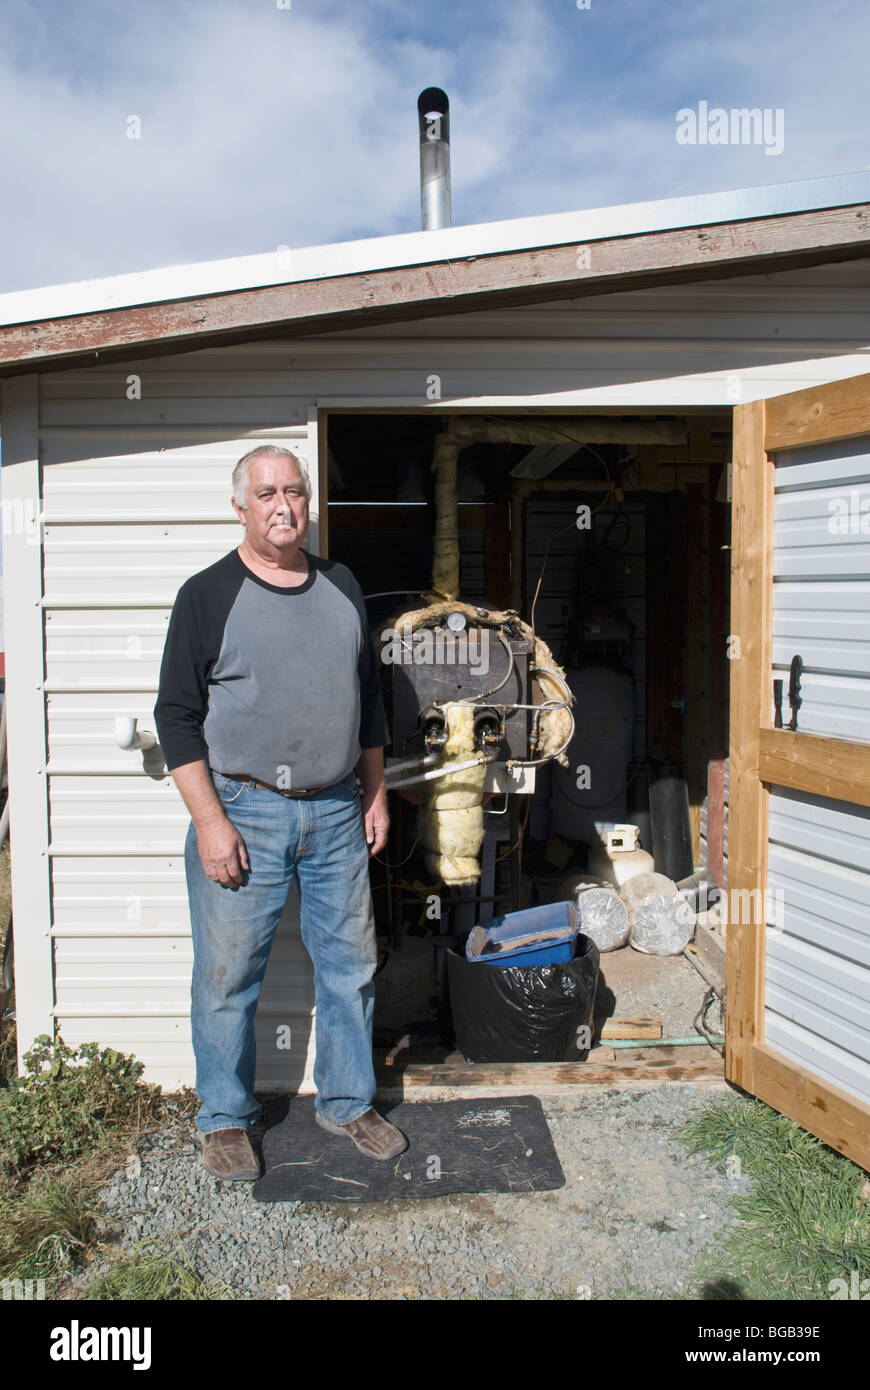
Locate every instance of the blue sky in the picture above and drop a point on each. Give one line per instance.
(263, 126)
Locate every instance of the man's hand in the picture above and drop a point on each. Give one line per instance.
(221, 847)
(376, 820)
(222, 850)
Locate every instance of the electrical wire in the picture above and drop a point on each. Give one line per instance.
(401, 861)
(572, 526)
(700, 1019)
(506, 854)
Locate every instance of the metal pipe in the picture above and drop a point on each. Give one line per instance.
(560, 680)
(443, 771)
(539, 762)
(421, 760)
(700, 890)
(433, 115)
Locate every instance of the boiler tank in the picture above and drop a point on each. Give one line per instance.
(600, 749)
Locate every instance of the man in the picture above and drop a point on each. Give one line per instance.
(268, 700)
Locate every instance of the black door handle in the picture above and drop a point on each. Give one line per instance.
(777, 704)
(794, 690)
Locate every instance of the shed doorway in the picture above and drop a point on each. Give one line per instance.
(617, 551)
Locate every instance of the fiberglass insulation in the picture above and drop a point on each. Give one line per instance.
(450, 824)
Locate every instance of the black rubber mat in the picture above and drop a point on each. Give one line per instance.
(486, 1145)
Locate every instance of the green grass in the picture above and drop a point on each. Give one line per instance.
(154, 1277)
(806, 1221)
(45, 1229)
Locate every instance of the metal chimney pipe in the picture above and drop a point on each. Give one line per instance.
(433, 111)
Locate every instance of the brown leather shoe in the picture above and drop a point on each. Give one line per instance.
(227, 1154)
(373, 1135)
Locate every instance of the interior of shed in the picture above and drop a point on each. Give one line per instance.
(609, 535)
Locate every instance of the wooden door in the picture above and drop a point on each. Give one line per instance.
(798, 901)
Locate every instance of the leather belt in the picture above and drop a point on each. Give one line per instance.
(267, 786)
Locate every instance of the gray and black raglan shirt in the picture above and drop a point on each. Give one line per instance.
(276, 683)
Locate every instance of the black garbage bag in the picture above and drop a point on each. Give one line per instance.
(530, 1013)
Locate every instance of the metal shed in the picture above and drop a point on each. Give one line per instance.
(125, 403)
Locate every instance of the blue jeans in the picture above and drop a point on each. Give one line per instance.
(320, 838)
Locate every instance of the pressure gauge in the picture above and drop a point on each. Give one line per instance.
(456, 621)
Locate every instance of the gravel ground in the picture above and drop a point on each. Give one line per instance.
(635, 1211)
(666, 987)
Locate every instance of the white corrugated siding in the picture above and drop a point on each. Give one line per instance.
(817, 987)
(125, 525)
(705, 810)
(135, 501)
(821, 594)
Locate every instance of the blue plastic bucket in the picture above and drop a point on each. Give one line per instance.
(534, 936)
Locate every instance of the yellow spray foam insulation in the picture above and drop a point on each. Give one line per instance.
(445, 563)
(450, 825)
(555, 724)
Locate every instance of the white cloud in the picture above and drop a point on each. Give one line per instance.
(263, 127)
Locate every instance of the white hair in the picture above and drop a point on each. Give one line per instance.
(243, 467)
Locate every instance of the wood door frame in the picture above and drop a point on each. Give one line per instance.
(761, 756)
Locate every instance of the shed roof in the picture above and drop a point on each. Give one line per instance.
(525, 260)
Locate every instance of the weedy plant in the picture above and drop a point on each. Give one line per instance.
(69, 1102)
